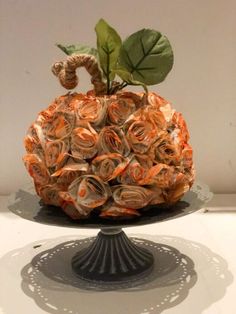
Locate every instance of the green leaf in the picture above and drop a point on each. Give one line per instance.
(147, 55)
(128, 78)
(108, 44)
(78, 49)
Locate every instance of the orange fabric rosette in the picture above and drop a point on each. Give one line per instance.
(112, 140)
(119, 109)
(131, 196)
(92, 110)
(85, 193)
(109, 166)
(84, 142)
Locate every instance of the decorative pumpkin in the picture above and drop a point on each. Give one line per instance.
(111, 152)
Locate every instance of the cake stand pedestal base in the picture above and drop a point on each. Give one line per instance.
(112, 257)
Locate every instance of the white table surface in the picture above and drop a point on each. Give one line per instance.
(206, 239)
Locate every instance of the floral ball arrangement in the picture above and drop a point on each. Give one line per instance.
(111, 152)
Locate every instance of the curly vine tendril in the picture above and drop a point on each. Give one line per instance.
(66, 72)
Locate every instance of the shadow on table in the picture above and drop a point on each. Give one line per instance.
(47, 278)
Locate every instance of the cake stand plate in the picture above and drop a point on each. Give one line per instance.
(112, 257)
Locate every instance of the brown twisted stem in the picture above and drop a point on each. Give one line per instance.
(66, 72)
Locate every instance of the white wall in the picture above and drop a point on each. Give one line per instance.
(201, 85)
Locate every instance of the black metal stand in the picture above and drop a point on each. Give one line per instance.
(112, 257)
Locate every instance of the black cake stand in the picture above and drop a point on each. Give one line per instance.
(112, 257)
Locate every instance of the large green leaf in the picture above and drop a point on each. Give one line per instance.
(108, 44)
(147, 55)
(78, 49)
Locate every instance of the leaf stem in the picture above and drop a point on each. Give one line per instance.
(123, 85)
(108, 74)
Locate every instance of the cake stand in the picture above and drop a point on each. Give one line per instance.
(112, 257)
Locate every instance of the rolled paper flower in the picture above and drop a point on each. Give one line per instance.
(59, 125)
(91, 93)
(72, 208)
(67, 174)
(190, 175)
(119, 110)
(168, 112)
(37, 169)
(180, 123)
(89, 191)
(66, 177)
(135, 98)
(56, 152)
(32, 142)
(35, 138)
(177, 190)
(161, 175)
(144, 160)
(115, 211)
(187, 156)
(33, 132)
(32, 145)
(141, 135)
(109, 166)
(63, 103)
(49, 194)
(165, 151)
(155, 100)
(47, 114)
(156, 115)
(136, 171)
(67, 103)
(131, 196)
(112, 140)
(84, 142)
(157, 196)
(147, 113)
(71, 166)
(92, 110)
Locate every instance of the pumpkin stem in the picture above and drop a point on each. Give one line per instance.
(66, 72)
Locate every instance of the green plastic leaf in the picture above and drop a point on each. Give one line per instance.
(147, 55)
(108, 44)
(78, 49)
(128, 78)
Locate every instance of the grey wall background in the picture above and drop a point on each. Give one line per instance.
(201, 85)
